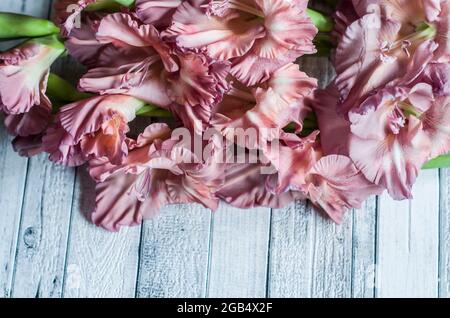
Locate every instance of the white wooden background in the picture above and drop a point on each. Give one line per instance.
(48, 249)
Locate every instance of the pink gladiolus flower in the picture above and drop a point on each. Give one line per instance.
(436, 119)
(91, 128)
(266, 109)
(157, 171)
(24, 72)
(389, 40)
(388, 143)
(28, 129)
(259, 35)
(292, 159)
(153, 72)
(245, 186)
(31, 123)
(335, 185)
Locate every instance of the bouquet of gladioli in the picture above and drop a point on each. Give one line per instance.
(229, 115)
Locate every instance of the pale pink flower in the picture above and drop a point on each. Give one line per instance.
(388, 143)
(24, 72)
(436, 119)
(259, 35)
(28, 129)
(157, 171)
(31, 123)
(335, 185)
(293, 158)
(390, 39)
(246, 187)
(151, 70)
(91, 128)
(265, 109)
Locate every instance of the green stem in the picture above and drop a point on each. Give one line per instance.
(109, 5)
(438, 162)
(13, 25)
(153, 111)
(61, 90)
(320, 20)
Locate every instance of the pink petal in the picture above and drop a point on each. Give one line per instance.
(31, 123)
(93, 127)
(335, 185)
(334, 128)
(23, 76)
(116, 206)
(193, 28)
(392, 161)
(157, 12)
(197, 82)
(140, 80)
(121, 30)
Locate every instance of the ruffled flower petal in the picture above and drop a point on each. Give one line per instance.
(335, 185)
(198, 81)
(94, 127)
(23, 76)
(192, 27)
(334, 127)
(31, 123)
(157, 12)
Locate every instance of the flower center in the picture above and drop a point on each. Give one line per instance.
(220, 8)
(409, 109)
(424, 31)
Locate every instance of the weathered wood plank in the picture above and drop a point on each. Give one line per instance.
(239, 252)
(174, 253)
(13, 170)
(44, 228)
(292, 243)
(444, 237)
(312, 257)
(363, 250)
(408, 241)
(12, 182)
(99, 263)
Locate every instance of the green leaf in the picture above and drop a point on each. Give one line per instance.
(153, 111)
(438, 162)
(61, 90)
(13, 26)
(320, 20)
(109, 5)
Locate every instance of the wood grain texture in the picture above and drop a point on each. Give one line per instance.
(13, 169)
(291, 251)
(12, 182)
(310, 256)
(44, 228)
(363, 250)
(174, 253)
(444, 234)
(99, 263)
(239, 252)
(408, 242)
